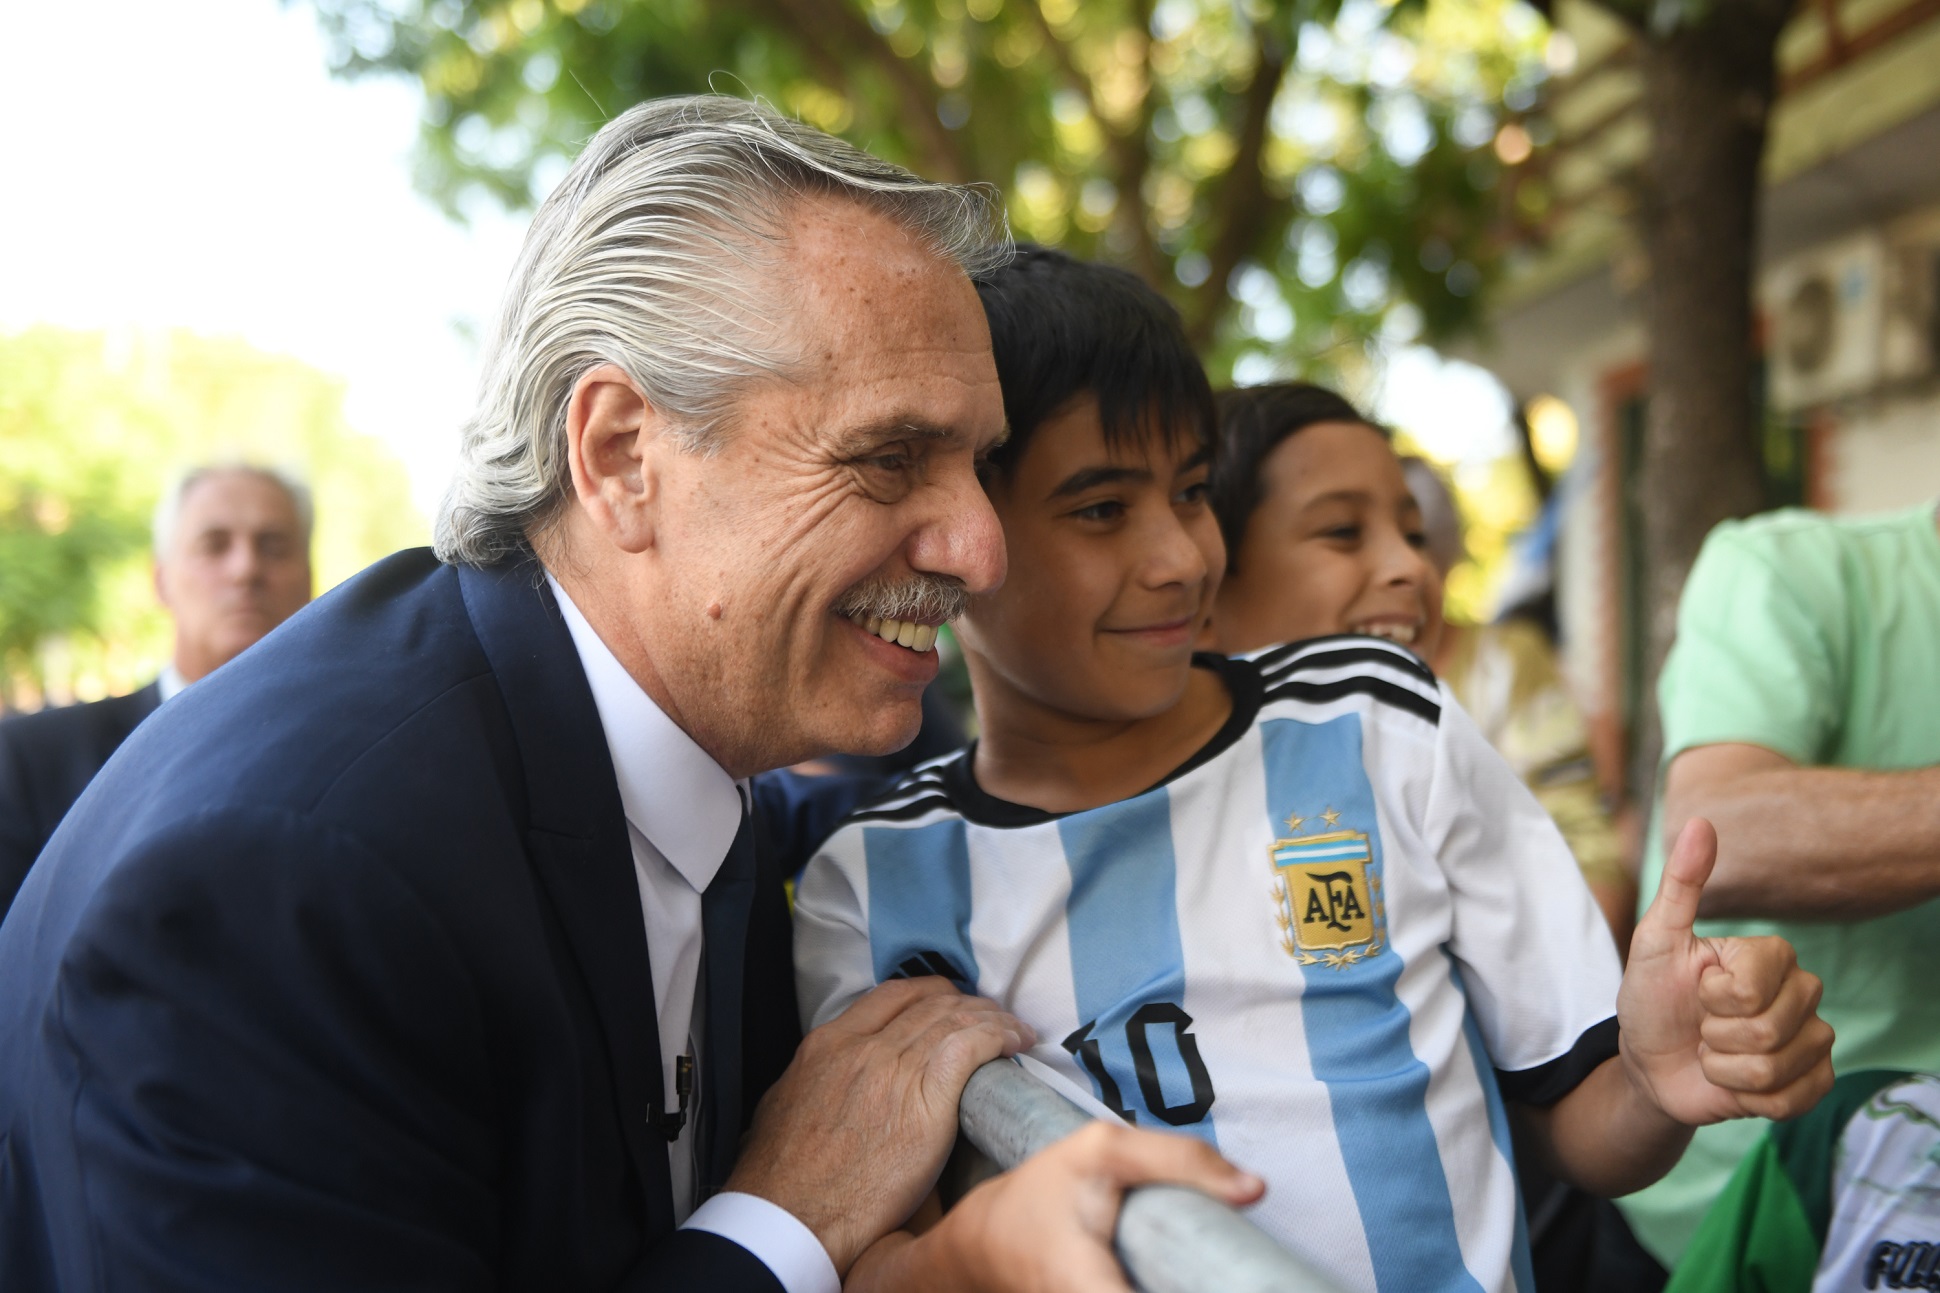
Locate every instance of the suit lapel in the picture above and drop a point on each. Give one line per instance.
(577, 839)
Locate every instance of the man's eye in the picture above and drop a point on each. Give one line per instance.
(1342, 533)
(897, 461)
(1194, 494)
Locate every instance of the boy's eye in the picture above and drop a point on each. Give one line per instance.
(1342, 533)
(1418, 539)
(1109, 510)
(1194, 494)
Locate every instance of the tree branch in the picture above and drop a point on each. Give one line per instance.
(943, 151)
(1241, 199)
(1125, 146)
(827, 63)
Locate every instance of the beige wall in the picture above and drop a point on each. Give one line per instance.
(1883, 455)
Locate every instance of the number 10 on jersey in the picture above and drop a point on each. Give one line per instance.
(1169, 1021)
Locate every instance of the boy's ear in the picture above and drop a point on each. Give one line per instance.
(614, 436)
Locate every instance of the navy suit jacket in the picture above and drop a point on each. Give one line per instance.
(336, 978)
(46, 761)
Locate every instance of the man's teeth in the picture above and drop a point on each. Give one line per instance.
(1402, 633)
(917, 637)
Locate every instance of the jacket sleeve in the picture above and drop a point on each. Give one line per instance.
(268, 1067)
(264, 1068)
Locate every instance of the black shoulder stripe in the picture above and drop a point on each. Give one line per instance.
(1274, 656)
(1388, 693)
(1547, 1083)
(1396, 659)
(901, 812)
(917, 783)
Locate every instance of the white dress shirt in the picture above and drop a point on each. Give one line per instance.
(682, 813)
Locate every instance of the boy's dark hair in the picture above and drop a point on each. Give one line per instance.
(1062, 327)
(1253, 420)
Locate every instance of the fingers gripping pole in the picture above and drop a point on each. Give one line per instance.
(1171, 1239)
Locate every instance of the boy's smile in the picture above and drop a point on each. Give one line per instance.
(1335, 546)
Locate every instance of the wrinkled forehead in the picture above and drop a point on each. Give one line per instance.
(884, 327)
(235, 499)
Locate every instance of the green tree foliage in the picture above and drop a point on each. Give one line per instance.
(92, 428)
(1301, 175)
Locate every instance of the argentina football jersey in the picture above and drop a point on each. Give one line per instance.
(1329, 945)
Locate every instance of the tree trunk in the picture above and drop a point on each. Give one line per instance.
(1708, 91)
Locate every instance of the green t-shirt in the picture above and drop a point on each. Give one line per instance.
(1818, 638)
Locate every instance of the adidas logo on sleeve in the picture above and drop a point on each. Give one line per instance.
(1328, 945)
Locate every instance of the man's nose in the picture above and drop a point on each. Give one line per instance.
(243, 563)
(961, 537)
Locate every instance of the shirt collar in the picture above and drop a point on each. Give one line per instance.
(171, 682)
(673, 793)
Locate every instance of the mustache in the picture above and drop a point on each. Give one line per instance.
(920, 599)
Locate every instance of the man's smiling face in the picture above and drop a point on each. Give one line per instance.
(840, 498)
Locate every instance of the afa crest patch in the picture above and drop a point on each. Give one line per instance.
(1329, 903)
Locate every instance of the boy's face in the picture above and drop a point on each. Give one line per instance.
(1114, 560)
(1335, 546)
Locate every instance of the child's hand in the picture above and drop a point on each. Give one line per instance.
(1717, 1028)
(1046, 1226)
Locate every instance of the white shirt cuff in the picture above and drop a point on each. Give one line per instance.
(774, 1235)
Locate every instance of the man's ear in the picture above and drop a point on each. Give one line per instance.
(612, 434)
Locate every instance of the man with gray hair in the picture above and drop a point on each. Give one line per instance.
(232, 561)
(429, 946)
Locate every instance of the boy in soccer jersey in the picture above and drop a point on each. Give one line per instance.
(1290, 904)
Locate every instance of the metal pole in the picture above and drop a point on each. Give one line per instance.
(1171, 1239)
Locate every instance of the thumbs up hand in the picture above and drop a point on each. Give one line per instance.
(1717, 1028)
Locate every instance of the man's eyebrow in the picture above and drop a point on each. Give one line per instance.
(897, 426)
(1198, 460)
(1092, 477)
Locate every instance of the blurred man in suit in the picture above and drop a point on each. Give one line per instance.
(232, 561)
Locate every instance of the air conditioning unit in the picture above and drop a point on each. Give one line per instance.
(1910, 326)
(1826, 311)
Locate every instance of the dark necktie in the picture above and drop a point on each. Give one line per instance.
(725, 908)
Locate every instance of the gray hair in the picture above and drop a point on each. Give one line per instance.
(168, 511)
(657, 253)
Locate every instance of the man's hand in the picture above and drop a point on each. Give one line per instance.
(1046, 1227)
(1717, 1028)
(852, 1137)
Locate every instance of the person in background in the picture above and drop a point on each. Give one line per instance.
(1801, 715)
(1846, 1197)
(232, 561)
(1508, 678)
